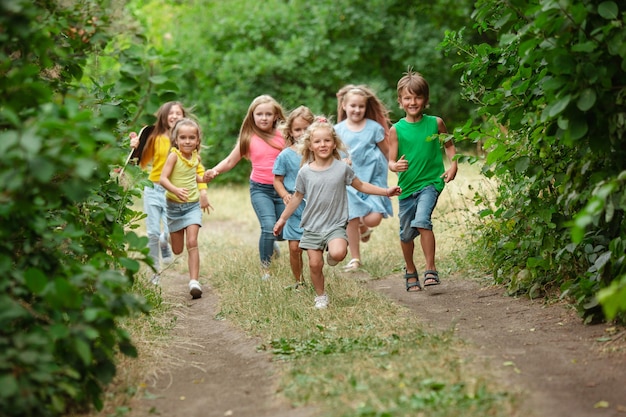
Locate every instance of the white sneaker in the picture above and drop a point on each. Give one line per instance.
(321, 301)
(266, 276)
(156, 279)
(352, 266)
(195, 289)
(330, 260)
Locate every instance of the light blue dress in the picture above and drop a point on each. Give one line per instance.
(287, 164)
(369, 165)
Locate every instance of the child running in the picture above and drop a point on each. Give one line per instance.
(260, 141)
(152, 155)
(322, 180)
(285, 170)
(180, 178)
(363, 127)
(422, 174)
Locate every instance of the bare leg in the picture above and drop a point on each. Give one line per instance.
(193, 255)
(354, 239)
(295, 259)
(316, 265)
(427, 239)
(178, 241)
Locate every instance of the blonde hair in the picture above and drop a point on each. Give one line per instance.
(249, 128)
(375, 109)
(161, 128)
(320, 122)
(302, 111)
(186, 122)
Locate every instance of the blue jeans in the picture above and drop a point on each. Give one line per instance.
(156, 214)
(415, 212)
(268, 207)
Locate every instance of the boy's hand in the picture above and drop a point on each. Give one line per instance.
(402, 164)
(449, 175)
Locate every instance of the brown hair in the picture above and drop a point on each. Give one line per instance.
(161, 127)
(186, 122)
(249, 128)
(415, 83)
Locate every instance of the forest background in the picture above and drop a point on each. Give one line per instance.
(540, 85)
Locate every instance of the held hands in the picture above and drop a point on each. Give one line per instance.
(209, 175)
(393, 191)
(402, 164)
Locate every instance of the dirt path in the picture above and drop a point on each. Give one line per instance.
(543, 352)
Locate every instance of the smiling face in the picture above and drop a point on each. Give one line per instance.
(187, 139)
(355, 105)
(264, 117)
(412, 104)
(322, 143)
(176, 113)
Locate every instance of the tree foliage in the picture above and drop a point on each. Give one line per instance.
(550, 82)
(67, 260)
(301, 52)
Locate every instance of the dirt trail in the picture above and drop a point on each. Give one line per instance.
(543, 352)
(560, 366)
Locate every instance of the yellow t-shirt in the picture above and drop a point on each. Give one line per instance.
(184, 176)
(162, 147)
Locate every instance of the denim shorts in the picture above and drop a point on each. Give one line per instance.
(415, 212)
(319, 240)
(181, 215)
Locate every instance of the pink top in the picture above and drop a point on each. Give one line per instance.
(262, 156)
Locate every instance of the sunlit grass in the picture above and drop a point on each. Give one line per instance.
(364, 355)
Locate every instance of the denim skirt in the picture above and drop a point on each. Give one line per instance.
(181, 215)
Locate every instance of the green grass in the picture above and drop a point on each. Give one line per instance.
(364, 355)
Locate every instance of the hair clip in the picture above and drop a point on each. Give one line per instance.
(321, 119)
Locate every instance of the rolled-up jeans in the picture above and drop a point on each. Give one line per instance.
(268, 207)
(155, 207)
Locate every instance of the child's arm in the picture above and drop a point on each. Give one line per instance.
(279, 186)
(225, 164)
(450, 149)
(383, 145)
(181, 193)
(395, 164)
(367, 188)
(295, 201)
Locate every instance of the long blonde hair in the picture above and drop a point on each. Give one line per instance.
(375, 109)
(321, 122)
(249, 128)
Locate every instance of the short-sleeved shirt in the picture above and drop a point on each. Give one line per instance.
(419, 144)
(326, 196)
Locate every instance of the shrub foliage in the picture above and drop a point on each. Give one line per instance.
(550, 82)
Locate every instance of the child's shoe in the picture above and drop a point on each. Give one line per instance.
(156, 279)
(195, 289)
(321, 301)
(353, 265)
(330, 260)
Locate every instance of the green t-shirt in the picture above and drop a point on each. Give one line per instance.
(420, 145)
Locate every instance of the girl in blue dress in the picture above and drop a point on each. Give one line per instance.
(363, 126)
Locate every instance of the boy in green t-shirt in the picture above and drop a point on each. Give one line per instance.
(421, 174)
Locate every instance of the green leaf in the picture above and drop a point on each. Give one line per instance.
(586, 100)
(83, 350)
(36, 280)
(558, 106)
(608, 10)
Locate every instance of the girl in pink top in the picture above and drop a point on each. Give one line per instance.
(259, 141)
